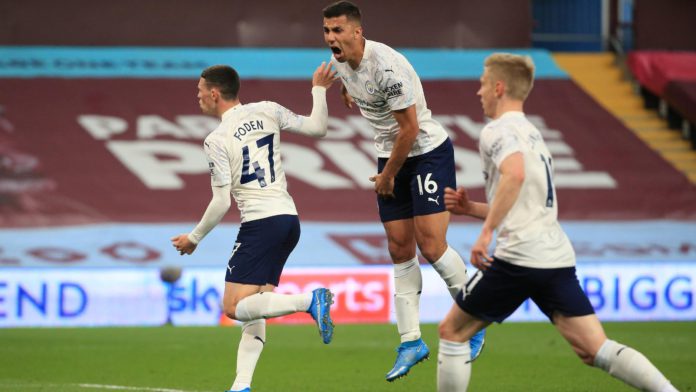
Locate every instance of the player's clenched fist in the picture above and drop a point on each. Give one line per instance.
(183, 244)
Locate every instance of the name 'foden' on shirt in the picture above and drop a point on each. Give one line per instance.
(248, 127)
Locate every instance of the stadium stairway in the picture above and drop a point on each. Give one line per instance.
(600, 76)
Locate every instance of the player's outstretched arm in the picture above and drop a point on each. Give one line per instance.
(316, 124)
(458, 203)
(324, 76)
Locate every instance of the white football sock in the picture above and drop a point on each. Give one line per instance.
(250, 347)
(269, 304)
(452, 269)
(408, 284)
(631, 367)
(453, 366)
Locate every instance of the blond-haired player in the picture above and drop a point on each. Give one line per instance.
(533, 257)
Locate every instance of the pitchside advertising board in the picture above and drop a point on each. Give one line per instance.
(322, 244)
(631, 291)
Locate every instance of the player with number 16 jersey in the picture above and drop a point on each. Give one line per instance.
(415, 164)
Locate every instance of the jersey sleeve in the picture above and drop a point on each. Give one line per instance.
(498, 144)
(286, 118)
(395, 82)
(218, 161)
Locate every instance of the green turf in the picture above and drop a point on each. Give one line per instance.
(518, 357)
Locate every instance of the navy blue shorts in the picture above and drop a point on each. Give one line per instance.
(261, 249)
(419, 186)
(493, 295)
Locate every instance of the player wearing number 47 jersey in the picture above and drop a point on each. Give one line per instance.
(244, 160)
(533, 257)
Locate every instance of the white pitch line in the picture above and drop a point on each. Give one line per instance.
(127, 388)
(24, 386)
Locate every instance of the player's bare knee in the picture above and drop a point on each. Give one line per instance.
(229, 311)
(444, 330)
(433, 252)
(432, 249)
(585, 357)
(229, 307)
(400, 254)
(448, 331)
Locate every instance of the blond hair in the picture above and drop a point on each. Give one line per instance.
(517, 72)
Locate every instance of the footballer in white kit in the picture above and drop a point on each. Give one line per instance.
(244, 160)
(415, 164)
(384, 82)
(530, 235)
(533, 257)
(244, 153)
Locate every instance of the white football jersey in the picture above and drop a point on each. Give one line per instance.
(244, 151)
(384, 82)
(530, 234)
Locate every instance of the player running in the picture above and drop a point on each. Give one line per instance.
(244, 160)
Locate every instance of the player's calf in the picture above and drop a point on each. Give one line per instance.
(631, 367)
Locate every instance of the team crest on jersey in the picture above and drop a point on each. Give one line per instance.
(369, 87)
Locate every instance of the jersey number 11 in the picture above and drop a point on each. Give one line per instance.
(549, 184)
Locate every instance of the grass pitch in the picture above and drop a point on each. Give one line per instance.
(517, 357)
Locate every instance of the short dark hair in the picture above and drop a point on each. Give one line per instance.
(225, 78)
(339, 8)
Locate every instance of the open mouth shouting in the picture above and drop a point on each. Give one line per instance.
(338, 53)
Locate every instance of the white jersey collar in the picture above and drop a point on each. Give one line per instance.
(366, 54)
(230, 111)
(512, 113)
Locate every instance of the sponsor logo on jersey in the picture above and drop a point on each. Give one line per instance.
(211, 166)
(374, 106)
(394, 90)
